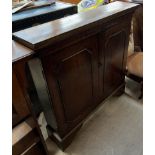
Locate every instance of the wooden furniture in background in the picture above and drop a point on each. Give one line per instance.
(137, 24)
(26, 135)
(26, 139)
(135, 62)
(71, 1)
(19, 107)
(36, 16)
(74, 64)
(138, 27)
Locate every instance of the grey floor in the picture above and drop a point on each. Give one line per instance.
(116, 128)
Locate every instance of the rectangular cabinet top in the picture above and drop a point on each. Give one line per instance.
(43, 35)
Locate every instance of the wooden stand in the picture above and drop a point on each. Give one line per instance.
(82, 61)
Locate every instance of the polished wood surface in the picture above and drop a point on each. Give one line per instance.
(26, 131)
(138, 28)
(36, 149)
(114, 43)
(20, 131)
(82, 62)
(46, 34)
(19, 51)
(137, 25)
(86, 72)
(72, 78)
(24, 137)
(20, 109)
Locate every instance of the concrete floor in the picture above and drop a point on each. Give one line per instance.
(116, 128)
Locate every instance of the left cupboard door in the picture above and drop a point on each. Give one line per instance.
(72, 75)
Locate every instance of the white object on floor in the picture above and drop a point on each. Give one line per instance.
(42, 123)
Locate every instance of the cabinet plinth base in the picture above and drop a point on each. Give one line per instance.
(64, 142)
(120, 91)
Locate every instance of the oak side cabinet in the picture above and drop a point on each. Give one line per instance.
(75, 63)
(26, 135)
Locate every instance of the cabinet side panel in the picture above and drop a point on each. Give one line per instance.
(42, 90)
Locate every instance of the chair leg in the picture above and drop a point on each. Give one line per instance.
(141, 95)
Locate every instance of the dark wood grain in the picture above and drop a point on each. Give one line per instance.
(25, 136)
(20, 51)
(114, 44)
(36, 149)
(46, 34)
(138, 28)
(20, 109)
(82, 61)
(72, 78)
(26, 130)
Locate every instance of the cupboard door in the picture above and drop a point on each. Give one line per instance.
(113, 55)
(72, 77)
(19, 105)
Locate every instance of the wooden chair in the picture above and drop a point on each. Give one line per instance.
(26, 140)
(135, 63)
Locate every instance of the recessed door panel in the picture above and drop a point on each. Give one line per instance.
(72, 77)
(113, 44)
(75, 81)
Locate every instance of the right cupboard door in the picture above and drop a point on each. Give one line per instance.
(113, 54)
